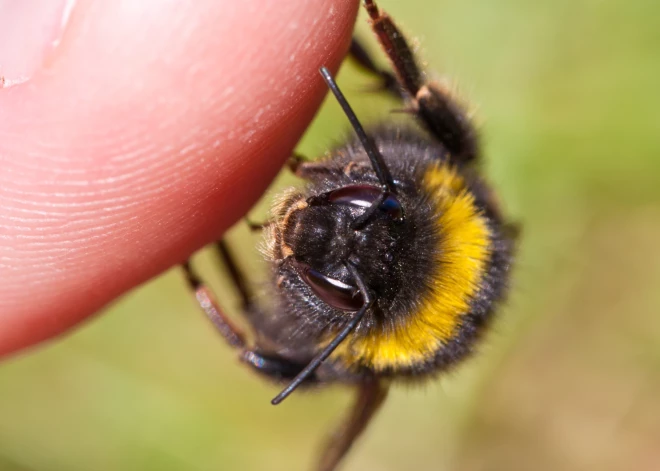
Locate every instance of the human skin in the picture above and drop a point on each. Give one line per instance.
(148, 130)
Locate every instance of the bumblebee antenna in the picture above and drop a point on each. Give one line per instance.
(327, 351)
(377, 162)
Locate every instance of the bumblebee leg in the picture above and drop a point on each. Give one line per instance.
(388, 81)
(255, 226)
(437, 110)
(229, 331)
(370, 397)
(234, 272)
(273, 366)
(308, 169)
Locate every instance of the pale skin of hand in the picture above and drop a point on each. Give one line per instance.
(144, 135)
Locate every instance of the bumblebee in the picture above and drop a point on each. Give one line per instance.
(388, 265)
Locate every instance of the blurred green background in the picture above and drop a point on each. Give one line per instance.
(569, 378)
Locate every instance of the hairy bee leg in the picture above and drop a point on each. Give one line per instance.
(370, 397)
(311, 170)
(396, 48)
(307, 169)
(389, 83)
(229, 331)
(435, 107)
(272, 366)
(234, 272)
(295, 162)
(256, 226)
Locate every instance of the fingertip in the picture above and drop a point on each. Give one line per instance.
(148, 133)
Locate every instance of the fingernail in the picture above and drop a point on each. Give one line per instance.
(29, 31)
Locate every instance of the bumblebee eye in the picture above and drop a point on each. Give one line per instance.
(333, 292)
(355, 195)
(364, 196)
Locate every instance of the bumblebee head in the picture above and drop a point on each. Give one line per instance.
(360, 224)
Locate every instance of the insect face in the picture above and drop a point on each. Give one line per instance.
(328, 231)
